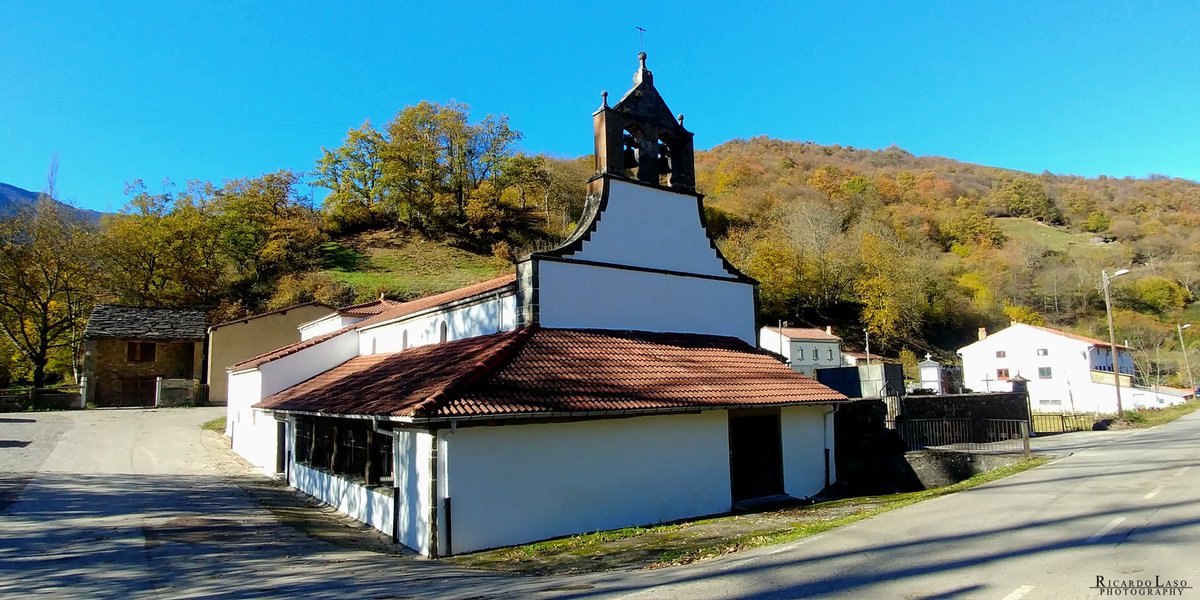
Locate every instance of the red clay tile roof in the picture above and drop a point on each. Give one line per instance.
(806, 333)
(534, 371)
(266, 357)
(395, 310)
(415, 306)
(367, 309)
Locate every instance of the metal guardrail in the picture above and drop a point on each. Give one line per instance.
(964, 435)
(1062, 423)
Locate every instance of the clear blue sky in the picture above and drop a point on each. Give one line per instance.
(218, 90)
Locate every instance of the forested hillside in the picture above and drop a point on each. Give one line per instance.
(918, 251)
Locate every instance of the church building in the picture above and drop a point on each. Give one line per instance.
(613, 381)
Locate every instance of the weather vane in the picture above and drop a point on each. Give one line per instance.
(641, 38)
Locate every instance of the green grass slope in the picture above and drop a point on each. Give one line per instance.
(404, 266)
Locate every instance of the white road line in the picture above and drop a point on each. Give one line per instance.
(1107, 528)
(1154, 493)
(1019, 593)
(1181, 471)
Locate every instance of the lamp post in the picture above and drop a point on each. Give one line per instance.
(1186, 364)
(1112, 338)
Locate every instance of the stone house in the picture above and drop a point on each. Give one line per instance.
(131, 353)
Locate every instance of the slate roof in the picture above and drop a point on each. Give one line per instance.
(535, 371)
(806, 333)
(130, 322)
(396, 310)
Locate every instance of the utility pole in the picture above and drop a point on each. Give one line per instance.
(1112, 338)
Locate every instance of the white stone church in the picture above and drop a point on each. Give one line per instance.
(613, 381)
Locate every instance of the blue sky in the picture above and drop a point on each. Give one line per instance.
(216, 90)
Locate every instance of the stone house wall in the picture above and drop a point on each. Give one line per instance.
(113, 380)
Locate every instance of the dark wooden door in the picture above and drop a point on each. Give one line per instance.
(755, 456)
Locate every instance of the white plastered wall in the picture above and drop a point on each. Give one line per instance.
(806, 431)
(369, 505)
(254, 432)
(485, 317)
(594, 297)
(520, 483)
(654, 228)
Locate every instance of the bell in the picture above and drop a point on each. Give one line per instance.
(630, 158)
(664, 164)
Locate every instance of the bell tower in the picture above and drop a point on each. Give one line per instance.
(640, 139)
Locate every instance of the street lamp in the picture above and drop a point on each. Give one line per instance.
(867, 333)
(1186, 365)
(1112, 338)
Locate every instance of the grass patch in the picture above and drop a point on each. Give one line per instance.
(217, 425)
(690, 541)
(1055, 239)
(1149, 417)
(404, 266)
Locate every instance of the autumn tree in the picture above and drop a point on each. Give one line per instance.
(163, 249)
(266, 229)
(47, 282)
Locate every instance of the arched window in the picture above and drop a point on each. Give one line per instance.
(444, 331)
(404, 340)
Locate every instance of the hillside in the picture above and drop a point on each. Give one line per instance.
(12, 198)
(403, 266)
(924, 250)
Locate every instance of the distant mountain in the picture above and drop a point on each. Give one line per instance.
(12, 198)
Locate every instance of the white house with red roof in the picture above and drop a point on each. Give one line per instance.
(1066, 372)
(805, 348)
(610, 382)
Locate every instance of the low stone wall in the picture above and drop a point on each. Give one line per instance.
(935, 468)
(996, 405)
(871, 457)
(42, 399)
(176, 392)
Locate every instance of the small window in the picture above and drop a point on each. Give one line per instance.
(830, 351)
(1050, 402)
(444, 332)
(1044, 373)
(1043, 352)
(816, 354)
(1001, 373)
(404, 340)
(799, 353)
(140, 351)
(1001, 354)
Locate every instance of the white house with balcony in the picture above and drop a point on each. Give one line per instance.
(804, 348)
(1067, 372)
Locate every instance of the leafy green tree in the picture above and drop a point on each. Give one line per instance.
(1097, 222)
(266, 229)
(1026, 197)
(353, 174)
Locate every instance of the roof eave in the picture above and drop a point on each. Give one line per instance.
(531, 416)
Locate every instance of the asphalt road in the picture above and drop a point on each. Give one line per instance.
(132, 503)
